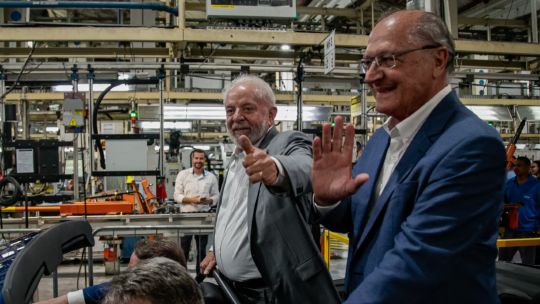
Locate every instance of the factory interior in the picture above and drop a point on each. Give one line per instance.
(102, 104)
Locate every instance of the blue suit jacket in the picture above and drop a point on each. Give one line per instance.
(431, 235)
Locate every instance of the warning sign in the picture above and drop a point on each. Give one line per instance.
(73, 122)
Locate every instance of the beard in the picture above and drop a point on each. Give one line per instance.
(255, 132)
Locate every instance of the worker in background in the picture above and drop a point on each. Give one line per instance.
(196, 190)
(263, 244)
(523, 189)
(422, 203)
(144, 249)
(155, 281)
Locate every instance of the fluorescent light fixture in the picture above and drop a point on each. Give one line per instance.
(202, 147)
(521, 146)
(211, 112)
(51, 129)
(84, 87)
(285, 47)
(491, 113)
(123, 76)
(169, 125)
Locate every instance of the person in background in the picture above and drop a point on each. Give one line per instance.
(155, 281)
(523, 189)
(535, 169)
(144, 249)
(196, 190)
(263, 245)
(422, 203)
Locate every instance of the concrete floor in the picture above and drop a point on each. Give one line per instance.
(67, 276)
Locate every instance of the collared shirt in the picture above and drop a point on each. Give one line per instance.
(401, 136)
(527, 194)
(189, 184)
(403, 133)
(232, 249)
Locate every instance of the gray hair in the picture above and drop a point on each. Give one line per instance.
(432, 29)
(158, 280)
(263, 90)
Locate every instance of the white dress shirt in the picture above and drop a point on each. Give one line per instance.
(188, 184)
(232, 249)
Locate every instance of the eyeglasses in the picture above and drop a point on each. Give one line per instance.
(389, 60)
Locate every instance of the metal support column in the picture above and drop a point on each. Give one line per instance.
(91, 76)
(2, 116)
(534, 21)
(451, 17)
(161, 76)
(299, 100)
(75, 83)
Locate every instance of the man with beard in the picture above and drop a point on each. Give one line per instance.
(196, 189)
(263, 245)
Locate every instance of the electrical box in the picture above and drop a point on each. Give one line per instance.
(278, 9)
(73, 112)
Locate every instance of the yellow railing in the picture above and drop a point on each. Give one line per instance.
(518, 242)
(328, 236)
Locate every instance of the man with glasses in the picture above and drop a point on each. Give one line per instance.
(421, 205)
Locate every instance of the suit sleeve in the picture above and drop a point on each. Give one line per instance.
(456, 210)
(296, 160)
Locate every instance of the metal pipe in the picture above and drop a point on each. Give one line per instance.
(194, 66)
(75, 83)
(90, 4)
(90, 147)
(534, 21)
(161, 125)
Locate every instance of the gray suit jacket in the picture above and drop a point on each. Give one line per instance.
(281, 242)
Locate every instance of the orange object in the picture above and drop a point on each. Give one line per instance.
(510, 218)
(110, 254)
(99, 207)
(510, 150)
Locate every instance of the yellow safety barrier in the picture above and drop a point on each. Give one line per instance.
(518, 242)
(328, 236)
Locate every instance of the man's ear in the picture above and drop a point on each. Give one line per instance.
(272, 114)
(441, 61)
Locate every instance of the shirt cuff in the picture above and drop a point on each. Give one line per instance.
(323, 210)
(76, 297)
(281, 172)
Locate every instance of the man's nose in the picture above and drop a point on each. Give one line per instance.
(373, 73)
(237, 115)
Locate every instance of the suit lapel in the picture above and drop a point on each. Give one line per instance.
(428, 133)
(373, 167)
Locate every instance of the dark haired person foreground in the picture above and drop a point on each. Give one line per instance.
(422, 203)
(144, 249)
(155, 281)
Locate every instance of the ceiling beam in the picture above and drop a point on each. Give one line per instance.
(82, 52)
(236, 37)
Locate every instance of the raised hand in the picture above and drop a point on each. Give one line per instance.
(260, 167)
(331, 175)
